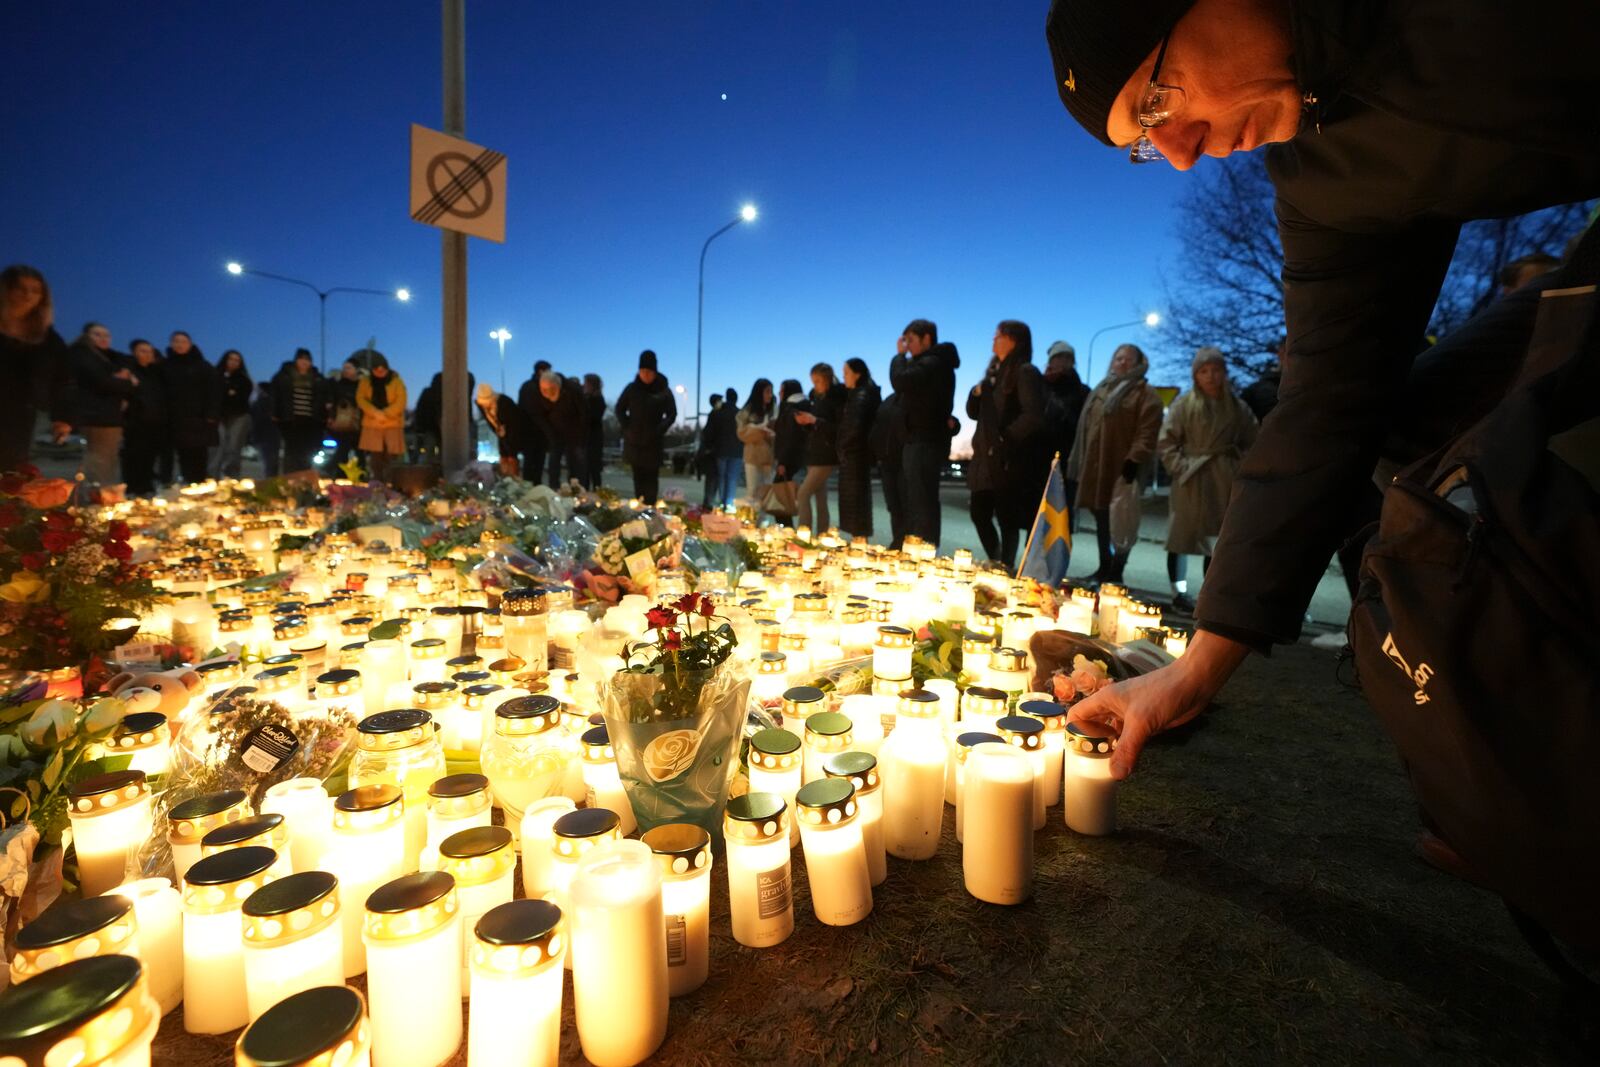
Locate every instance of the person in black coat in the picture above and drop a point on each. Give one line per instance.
(103, 384)
(194, 400)
(856, 422)
(594, 423)
(822, 447)
(1009, 467)
(235, 427)
(923, 373)
(646, 412)
(505, 420)
(705, 456)
(345, 424)
(887, 441)
(533, 443)
(789, 432)
(145, 422)
(559, 414)
(1064, 396)
(264, 433)
(35, 369)
(727, 450)
(302, 404)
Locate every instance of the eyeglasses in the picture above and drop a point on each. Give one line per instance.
(1156, 108)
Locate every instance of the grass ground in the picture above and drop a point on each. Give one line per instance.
(1260, 905)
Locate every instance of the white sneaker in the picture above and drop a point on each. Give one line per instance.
(1334, 641)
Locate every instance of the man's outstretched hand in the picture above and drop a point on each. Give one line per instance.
(1140, 708)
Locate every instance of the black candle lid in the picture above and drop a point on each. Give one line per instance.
(395, 721)
(246, 828)
(106, 783)
(1041, 709)
(411, 891)
(367, 798)
(72, 919)
(234, 865)
(802, 694)
(469, 678)
(586, 822)
(977, 737)
(774, 742)
(475, 841)
(302, 1027)
(458, 785)
(755, 807)
(141, 722)
(528, 707)
(519, 922)
(829, 724)
(210, 804)
(290, 893)
(36, 1014)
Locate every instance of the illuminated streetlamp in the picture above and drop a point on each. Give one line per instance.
(502, 335)
(402, 294)
(1152, 320)
(746, 214)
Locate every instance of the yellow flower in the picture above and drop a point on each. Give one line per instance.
(104, 715)
(25, 587)
(51, 723)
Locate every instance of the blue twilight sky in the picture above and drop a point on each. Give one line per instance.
(907, 159)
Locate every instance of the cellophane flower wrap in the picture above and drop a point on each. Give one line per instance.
(676, 716)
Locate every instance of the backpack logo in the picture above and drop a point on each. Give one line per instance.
(1070, 81)
(1420, 676)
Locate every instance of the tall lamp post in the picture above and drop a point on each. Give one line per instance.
(1151, 320)
(746, 214)
(502, 335)
(403, 295)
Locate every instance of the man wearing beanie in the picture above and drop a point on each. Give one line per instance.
(1390, 126)
(646, 412)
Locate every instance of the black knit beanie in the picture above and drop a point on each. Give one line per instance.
(1096, 46)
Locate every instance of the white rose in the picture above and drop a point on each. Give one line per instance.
(670, 754)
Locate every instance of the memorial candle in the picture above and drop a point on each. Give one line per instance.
(538, 833)
(1111, 597)
(866, 713)
(827, 733)
(307, 812)
(367, 849)
(981, 708)
(189, 821)
(322, 1027)
(775, 767)
(111, 816)
(965, 742)
(574, 836)
(619, 956)
(293, 938)
(265, 831)
(75, 930)
(527, 758)
(1054, 718)
(483, 863)
(912, 762)
(1089, 791)
(1008, 672)
(401, 748)
(836, 856)
(861, 770)
(1077, 613)
(800, 702)
(412, 933)
(602, 780)
(683, 852)
(146, 739)
(998, 801)
(215, 889)
(1027, 734)
(891, 653)
(755, 828)
(772, 678)
(527, 634)
(517, 979)
(94, 1011)
(158, 908)
(455, 802)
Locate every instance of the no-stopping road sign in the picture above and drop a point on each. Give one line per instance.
(457, 185)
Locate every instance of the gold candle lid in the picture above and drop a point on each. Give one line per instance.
(478, 855)
(894, 637)
(756, 817)
(811, 603)
(504, 670)
(517, 938)
(576, 832)
(368, 807)
(1089, 741)
(268, 830)
(434, 696)
(223, 882)
(410, 907)
(1021, 731)
(1053, 715)
(75, 929)
(428, 648)
(474, 697)
(976, 644)
(681, 848)
(325, 1026)
(520, 602)
(142, 729)
(343, 682)
(918, 704)
(194, 818)
(1081, 593)
(1008, 659)
(774, 750)
(527, 715)
(291, 909)
(84, 1012)
(1114, 592)
(826, 802)
(829, 731)
(597, 747)
(859, 768)
(459, 796)
(397, 728)
(106, 793)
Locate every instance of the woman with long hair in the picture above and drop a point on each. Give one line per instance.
(756, 431)
(235, 427)
(194, 405)
(1009, 464)
(35, 370)
(861, 403)
(822, 447)
(381, 396)
(1116, 435)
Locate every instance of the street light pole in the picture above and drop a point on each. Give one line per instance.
(403, 295)
(1151, 320)
(746, 214)
(502, 335)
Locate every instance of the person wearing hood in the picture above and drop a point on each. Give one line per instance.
(235, 428)
(1009, 465)
(35, 368)
(594, 430)
(381, 396)
(646, 411)
(862, 398)
(301, 399)
(923, 374)
(1206, 433)
(1116, 434)
(194, 399)
(144, 424)
(506, 421)
(1064, 394)
(103, 386)
(559, 412)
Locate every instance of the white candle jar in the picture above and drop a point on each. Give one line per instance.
(427, 659)
(1134, 616)
(478, 702)
(1089, 792)
(448, 624)
(76, 930)
(158, 909)
(619, 956)
(525, 760)
(1176, 643)
(866, 720)
(367, 849)
(307, 811)
(322, 1027)
(1054, 718)
(293, 938)
(146, 738)
(982, 707)
(772, 678)
(1009, 673)
(998, 801)
(574, 836)
(1111, 597)
(1077, 613)
(456, 802)
(413, 937)
(517, 979)
(189, 822)
(861, 770)
(483, 862)
(912, 763)
(285, 685)
(383, 669)
(527, 630)
(975, 652)
(800, 702)
(1027, 734)
(601, 779)
(827, 734)
(836, 855)
(775, 767)
(94, 1011)
(965, 743)
(538, 835)
(112, 816)
(214, 998)
(755, 828)
(891, 653)
(266, 831)
(683, 851)
(401, 748)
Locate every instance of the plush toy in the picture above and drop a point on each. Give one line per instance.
(176, 690)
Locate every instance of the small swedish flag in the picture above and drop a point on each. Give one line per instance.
(1050, 541)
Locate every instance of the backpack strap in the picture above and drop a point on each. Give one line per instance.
(1581, 1013)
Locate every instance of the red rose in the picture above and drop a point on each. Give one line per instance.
(707, 607)
(58, 520)
(660, 618)
(12, 484)
(686, 603)
(28, 471)
(58, 541)
(119, 550)
(35, 561)
(672, 640)
(10, 515)
(118, 530)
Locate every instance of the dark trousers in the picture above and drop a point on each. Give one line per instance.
(344, 446)
(921, 463)
(300, 441)
(139, 447)
(192, 462)
(573, 456)
(1111, 564)
(647, 481)
(270, 449)
(533, 464)
(999, 538)
(894, 500)
(164, 457)
(593, 461)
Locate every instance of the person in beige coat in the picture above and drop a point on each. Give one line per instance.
(381, 396)
(755, 428)
(1202, 441)
(1116, 435)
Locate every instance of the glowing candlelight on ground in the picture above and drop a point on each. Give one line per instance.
(836, 856)
(413, 936)
(111, 817)
(293, 938)
(998, 801)
(619, 965)
(517, 978)
(215, 889)
(755, 828)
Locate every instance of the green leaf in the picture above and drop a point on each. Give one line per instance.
(52, 770)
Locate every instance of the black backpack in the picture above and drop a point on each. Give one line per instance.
(1474, 628)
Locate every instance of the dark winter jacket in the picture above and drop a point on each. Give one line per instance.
(147, 407)
(283, 396)
(790, 439)
(1064, 396)
(822, 445)
(562, 420)
(594, 421)
(646, 412)
(889, 431)
(1427, 115)
(99, 397)
(722, 433)
(34, 376)
(194, 399)
(236, 390)
(263, 428)
(509, 425)
(1008, 444)
(1261, 395)
(926, 385)
(857, 423)
(528, 401)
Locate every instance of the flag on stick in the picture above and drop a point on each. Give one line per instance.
(1050, 540)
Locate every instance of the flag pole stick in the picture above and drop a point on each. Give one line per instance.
(1033, 528)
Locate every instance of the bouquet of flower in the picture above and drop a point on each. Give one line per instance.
(67, 576)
